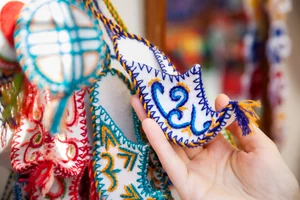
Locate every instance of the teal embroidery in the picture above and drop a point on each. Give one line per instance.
(107, 138)
(129, 156)
(138, 165)
(61, 51)
(131, 193)
(110, 172)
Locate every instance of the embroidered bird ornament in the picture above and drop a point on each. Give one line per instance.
(176, 102)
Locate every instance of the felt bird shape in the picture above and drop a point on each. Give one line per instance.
(60, 48)
(176, 102)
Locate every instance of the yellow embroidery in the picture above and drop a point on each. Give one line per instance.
(107, 138)
(182, 108)
(109, 171)
(167, 124)
(152, 81)
(185, 86)
(188, 130)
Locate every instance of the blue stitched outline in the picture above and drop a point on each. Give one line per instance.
(177, 97)
(156, 86)
(206, 125)
(194, 71)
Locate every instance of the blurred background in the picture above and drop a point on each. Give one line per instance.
(248, 49)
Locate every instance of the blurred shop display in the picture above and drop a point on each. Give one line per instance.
(242, 43)
(210, 33)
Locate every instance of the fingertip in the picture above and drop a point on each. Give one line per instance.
(134, 100)
(138, 107)
(146, 122)
(221, 101)
(149, 126)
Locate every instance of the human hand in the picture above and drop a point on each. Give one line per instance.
(220, 171)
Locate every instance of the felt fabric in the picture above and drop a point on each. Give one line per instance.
(121, 165)
(8, 15)
(35, 150)
(66, 34)
(62, 189)
(113, 91)
(176, 102)
(121, 157)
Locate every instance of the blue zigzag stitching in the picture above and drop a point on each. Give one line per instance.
(120, 33)
(160, 57)
(196, 70)
(144, 149)
(117, 31)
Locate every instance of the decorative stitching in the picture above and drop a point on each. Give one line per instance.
(130, 68)
(101, 117)
(110, 171)
(75, 79)
(129, 156)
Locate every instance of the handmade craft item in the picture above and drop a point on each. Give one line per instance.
(112, 92)
(119, 150)
(62, 189)
(175, 102)
(60, 48)
(278, 49)
(12, 84)
(36, 152)
(254, 50)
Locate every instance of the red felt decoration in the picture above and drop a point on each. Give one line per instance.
(8, 17)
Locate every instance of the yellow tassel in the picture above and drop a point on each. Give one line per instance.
(247, 106)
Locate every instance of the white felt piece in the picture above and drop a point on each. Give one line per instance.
(114, 97)
(70, 147)
(134, 50)
(160, 99)
(27, 148)
(121, 164)
(68, 150)
(61, 189)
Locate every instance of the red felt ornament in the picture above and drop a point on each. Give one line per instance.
(8, 17)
